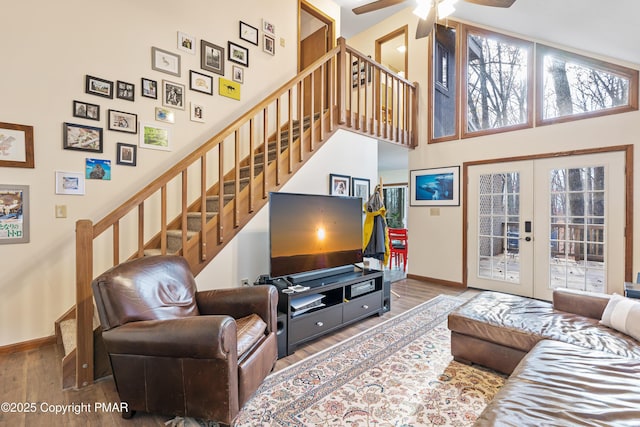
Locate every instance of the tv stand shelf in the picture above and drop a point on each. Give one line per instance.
(347, 298)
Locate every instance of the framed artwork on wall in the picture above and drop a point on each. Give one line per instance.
(98, 87)
(238, 54)
(126, 154)
(165, 62)
(16, 146)
(435, 187)
(200, 82)
(269, 44)
(154, 137)
(125, 90)
(84, 110)
(248, 33)
(149, 88)
(14, 221)
(237, 74)
(165, 115)
(339, 185)
(229, 88)
(69, 183)
(186, 43)
(123, 122)
(197, 113)
(82, 138)
(173, 95)
(211, 57)
(361, 187)
(98, 169)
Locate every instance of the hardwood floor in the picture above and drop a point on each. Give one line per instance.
(33, 378)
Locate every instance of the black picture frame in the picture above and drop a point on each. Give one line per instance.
(82, 138)
(85, 110)
(339, 185)
(99, 87)
(200, 82)
(121, 121)
(248, 33)
(149, 88)
(238, 54)
(125, 90)
(361, 187)
(126, 154)
(211, 57)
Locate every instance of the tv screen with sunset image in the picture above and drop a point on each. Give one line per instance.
(312, 232)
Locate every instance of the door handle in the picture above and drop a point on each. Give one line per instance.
(526, 239)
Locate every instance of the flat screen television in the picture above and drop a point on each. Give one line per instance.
(312, 232)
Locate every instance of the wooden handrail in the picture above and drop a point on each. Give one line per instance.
(283, 110)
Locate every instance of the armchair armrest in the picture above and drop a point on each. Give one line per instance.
(588, 304)
(199, 337)
(240, 302)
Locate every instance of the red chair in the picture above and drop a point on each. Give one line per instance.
(399, 246)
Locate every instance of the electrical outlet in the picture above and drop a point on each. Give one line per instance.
(244, 282)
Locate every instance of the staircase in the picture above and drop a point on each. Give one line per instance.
(198, 206)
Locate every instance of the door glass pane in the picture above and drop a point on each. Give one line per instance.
(499, 227)
(577, 219)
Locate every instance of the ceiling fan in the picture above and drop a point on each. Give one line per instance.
(428, 10)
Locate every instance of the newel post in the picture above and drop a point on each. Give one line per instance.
(84, 303)
(340, 83)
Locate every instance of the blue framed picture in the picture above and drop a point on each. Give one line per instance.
(435, 187)
(98, 169)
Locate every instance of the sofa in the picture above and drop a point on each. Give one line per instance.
(566, 367)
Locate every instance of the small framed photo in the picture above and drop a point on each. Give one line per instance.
(248, 33)
(339, 185)
(173, 95)
(16, 146)
(435, 187)
(125, 90)
(186, 43)
(123, 122)
(211, 57)
(154, 137)
(98, 87)
(360, 187)
(69, 183)
(164, 61)
(126, 154)
(14, 221)
(149, 88)
(98, 169)
(238, 54)
(237, 74)
(197, 113)
(84, 110)
(200, 82)
(82, 138)
(229, 89)
(268, 27)
(165, 115)
(268, 44)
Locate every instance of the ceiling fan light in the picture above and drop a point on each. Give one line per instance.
(445, 8)
(422, 8)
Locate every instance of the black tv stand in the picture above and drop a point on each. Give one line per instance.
(345, 298)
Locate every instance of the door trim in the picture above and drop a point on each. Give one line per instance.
(316, 13)
(628, 235)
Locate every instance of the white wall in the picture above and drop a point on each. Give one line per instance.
(48, 48)
(248, 253)
(436, 241)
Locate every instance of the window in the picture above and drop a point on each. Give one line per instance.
(443, 123)
(573, 87)
(498, 83)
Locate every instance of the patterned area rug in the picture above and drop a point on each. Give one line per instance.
(398, 373)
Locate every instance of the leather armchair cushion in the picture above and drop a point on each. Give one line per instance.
(623, 314)
(250, 329)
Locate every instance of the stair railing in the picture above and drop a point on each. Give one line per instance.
(142, 222)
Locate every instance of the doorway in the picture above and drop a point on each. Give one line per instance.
(535, 225)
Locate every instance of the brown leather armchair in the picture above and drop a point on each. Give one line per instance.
(176, 351)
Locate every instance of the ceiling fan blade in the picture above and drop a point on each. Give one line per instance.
(493, 3)
(426, 25)
(376, 5)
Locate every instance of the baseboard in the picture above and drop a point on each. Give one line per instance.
(27, 345)
(436, 281)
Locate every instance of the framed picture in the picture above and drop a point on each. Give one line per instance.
(154, 137)
(98, 87)
(268, 27)
(361, 187)
(237, 74)
(84, 110)
(229, 89)
(165, 62)
(435, 187)
(238, 54)
(123, 122)
(16, 146)
(211, 57)
(165, 115)
(149, 88)
(248, 33)
(339, 185)
(186, 43)
(83, 138)
(200, 82)
(98, 169)
(197, 113)
(364, 73)
(126, 154)
(173, 95)
(268, 44)
(14, 214)
(125, 90)
(69, 183)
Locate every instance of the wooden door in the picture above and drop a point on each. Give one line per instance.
(311, 49)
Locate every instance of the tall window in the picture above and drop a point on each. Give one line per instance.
(573, 86)
(443, 124)
(498, 86)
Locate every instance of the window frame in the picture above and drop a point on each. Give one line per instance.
(608, 67)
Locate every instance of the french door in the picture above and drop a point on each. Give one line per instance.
(540, 224)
